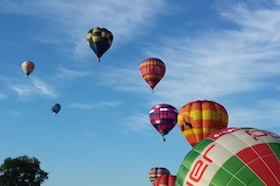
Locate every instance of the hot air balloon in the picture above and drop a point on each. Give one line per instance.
(99, 40)
(233, 156)
(197, 119)
(152, 71)
(165, 180)
(55, 108)
(163, 117)
(157, 172)
(27, 67)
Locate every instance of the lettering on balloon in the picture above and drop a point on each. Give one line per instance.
(220, 133)
(200, 166)
(274, 135)
(256, 134)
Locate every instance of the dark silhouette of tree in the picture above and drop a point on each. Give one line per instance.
(21, 171)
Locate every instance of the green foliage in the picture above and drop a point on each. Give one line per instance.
(21, 171)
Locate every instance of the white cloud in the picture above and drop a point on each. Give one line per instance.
(211, 64)
(38, 87)
(43, 88)
(66, 73)
(14, 114)
(138, 122)
(3, 96)
(127, 80)
(100, 105)
(71, 20)
(214, 63)
(82, 106)
(21, 90)
(264, 116)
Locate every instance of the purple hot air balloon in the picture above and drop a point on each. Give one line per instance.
(163, 117)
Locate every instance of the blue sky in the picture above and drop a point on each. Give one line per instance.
(226, 51)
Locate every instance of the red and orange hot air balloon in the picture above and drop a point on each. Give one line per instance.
(165, 180)
(152, 71)
(199, 118)
(163, 117)
(27, 67)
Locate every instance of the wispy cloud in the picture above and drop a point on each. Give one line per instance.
(71, 20)
(127, 80)
(100, 105)
(14, 114)
(264, 116)
(43, 88)
(216, 63)
(138, 122)
(62, 72)
(3, 96)
(21, 90)
(38, 87)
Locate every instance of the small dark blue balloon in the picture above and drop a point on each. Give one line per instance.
(55, 108)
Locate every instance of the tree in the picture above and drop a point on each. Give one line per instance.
(22, 171)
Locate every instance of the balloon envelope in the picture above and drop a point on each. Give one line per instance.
(27, 67)
(165, 180)
(233, 156)
(55, 108)
(157, 172)
(163, 117)
(199, 118)
(152, 71)
(99, 40)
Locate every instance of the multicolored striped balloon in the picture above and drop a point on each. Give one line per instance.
(27, 67)
(199, 118)
(156, 172)
(233, 157)
(152, 71)
(163, 117)
(165, 180)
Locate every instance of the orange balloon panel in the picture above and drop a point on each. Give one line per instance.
(152, 70)
(165, 180)
(199, 118)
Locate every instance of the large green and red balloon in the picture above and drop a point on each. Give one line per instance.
(233, 157)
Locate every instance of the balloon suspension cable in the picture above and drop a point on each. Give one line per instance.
(163, 138)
